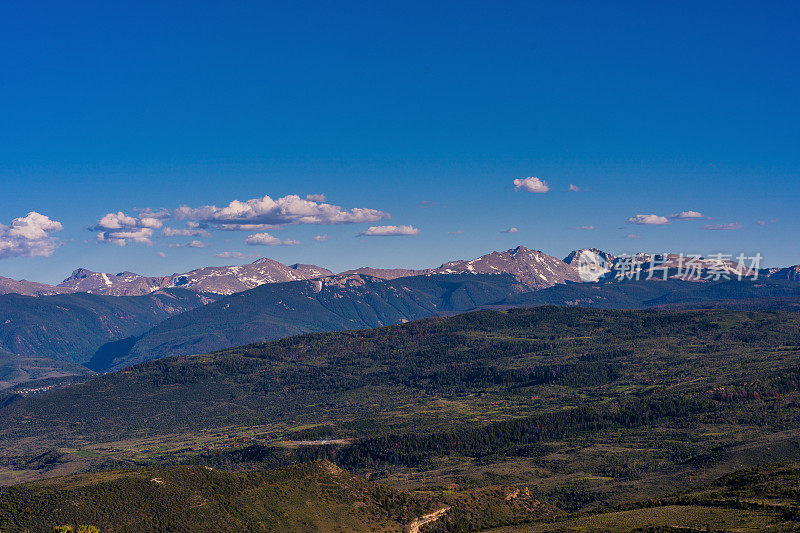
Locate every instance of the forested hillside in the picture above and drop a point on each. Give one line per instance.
(71, 327)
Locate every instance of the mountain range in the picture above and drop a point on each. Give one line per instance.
(533, 268)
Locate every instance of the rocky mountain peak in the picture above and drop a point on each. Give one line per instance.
(79, 273)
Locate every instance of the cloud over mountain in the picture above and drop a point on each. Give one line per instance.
(265, 239)
(287, 210)
(29, 236)
(257, 214)
(386, 231)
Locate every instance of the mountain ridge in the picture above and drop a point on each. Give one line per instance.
(533, 268)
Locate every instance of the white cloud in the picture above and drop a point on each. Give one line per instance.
(648, 220)
(726, 226)
(29, 236)
(586, 228)
(531, 185)
(633, 236)
(185, 232)
(119, 228)
(316, 197)
(457, 232)
(286, 210)
(686, 215)
(233, 255)
(121, 237)
(265, 239)
(162, 254)
(573, 188)
(510, 230)
(197, 244)
(321, 238)
(385, 231)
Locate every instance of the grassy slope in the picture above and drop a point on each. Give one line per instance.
(307, 497)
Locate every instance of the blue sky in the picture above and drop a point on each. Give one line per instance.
(424, 112)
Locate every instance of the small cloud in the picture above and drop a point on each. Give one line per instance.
(265, 239)
(162, 254)
(686, 215)
(648, 220)
(197, 244)
(633, 236)
(233, 255)
(428, 203)
(761, 222)
(531, 185)
(586, 228)
(316, 197)
(321, 238)
(573, 188)
(386, 231)
(457, 232)
(723, 227)
(510, 230)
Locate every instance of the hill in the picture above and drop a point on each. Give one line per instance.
(71, 327)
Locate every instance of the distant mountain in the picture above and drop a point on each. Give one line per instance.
(791, 273)
(385, 273)
(71, 327)
(28, 288)
(331, 303)
(218, 280)
(533, 268)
